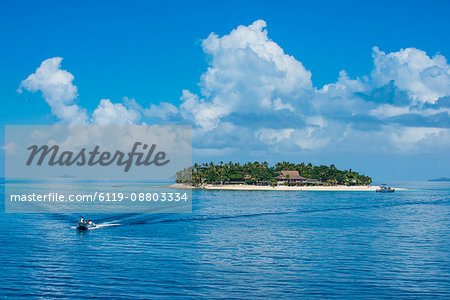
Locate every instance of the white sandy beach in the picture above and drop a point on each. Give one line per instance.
(243, 187)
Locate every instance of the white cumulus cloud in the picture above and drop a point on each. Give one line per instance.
(419, 139)
(272, 136)
(108, 113)
(424, 78)
(248, 72)
(57, 89)
(60, 94)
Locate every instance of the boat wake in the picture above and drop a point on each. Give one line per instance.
(105, 225)
(140, 219)
(100, 226)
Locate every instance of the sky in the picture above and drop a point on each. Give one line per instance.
(359, 84)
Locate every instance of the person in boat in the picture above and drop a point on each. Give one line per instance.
(82, 220)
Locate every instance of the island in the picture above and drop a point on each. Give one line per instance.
(440, 179)
(281, 176)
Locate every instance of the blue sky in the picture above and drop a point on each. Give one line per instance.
(386, 116)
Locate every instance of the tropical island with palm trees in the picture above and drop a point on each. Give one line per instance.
(281, 176)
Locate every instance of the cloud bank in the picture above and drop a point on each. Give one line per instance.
(255, 97)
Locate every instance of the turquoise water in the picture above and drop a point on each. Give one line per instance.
(240, 245)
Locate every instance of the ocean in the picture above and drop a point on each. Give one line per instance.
(241, 245)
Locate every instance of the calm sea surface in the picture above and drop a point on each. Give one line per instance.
(240, 245)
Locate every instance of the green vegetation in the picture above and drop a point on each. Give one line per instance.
(261, 173)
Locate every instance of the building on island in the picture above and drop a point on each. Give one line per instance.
(290, 178)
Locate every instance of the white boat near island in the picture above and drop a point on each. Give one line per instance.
(385, 189)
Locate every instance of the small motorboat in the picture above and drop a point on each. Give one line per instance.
(85, 225)
(385, 189)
